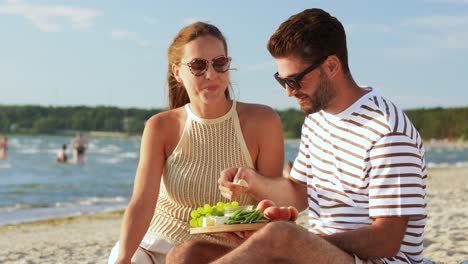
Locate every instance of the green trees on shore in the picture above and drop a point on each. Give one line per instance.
(438, 123)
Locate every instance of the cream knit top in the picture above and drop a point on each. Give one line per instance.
(191, 173)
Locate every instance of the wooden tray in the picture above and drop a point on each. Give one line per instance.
(226, 228)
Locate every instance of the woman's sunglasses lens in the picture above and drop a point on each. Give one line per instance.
(198, 66)
(221, 64)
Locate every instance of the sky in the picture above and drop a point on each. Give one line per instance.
(114, 53)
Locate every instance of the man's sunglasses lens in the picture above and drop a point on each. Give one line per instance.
(293, 84)
(290, 82)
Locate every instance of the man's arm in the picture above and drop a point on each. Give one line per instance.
(380, 239)
(282, 191)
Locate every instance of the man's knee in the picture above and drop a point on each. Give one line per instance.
(195, 251)
(278, 236)
(182, 252)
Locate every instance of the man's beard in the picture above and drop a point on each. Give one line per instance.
(321, 98)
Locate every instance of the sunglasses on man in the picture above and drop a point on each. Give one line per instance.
(199, 66)
(294, 82)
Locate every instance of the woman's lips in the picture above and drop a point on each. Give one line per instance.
(211, 88)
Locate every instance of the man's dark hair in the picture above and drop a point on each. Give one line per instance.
(310, 35)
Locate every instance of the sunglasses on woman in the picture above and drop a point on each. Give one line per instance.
(294, 82)
(199, 66)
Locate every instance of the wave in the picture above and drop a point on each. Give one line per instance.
(5, 165)
(109, 161)
(460, 164)
(128, 155)
(80, 202)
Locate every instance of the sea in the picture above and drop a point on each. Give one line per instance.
(35, 187)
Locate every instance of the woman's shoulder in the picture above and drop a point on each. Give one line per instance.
(256, 111)
(166, 119)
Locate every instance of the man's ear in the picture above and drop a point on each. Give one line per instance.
(175, 72)
(332, 66)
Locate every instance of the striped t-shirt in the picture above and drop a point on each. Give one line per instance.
(363, 163)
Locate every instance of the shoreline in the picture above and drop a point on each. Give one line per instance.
(89, 238)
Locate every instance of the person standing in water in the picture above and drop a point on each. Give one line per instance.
(79, 144)
(3, 147)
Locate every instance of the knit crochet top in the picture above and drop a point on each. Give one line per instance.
(191, 173)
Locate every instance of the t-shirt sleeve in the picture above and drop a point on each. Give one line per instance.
(397, 184)
(302, 161)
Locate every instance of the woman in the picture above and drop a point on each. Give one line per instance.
(184, 149)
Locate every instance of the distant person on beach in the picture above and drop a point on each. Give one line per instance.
(184, 149)
(3, 147)
(62, 154)
(79, 144)
(360, 170)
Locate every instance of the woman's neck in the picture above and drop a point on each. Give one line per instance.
(211, 111)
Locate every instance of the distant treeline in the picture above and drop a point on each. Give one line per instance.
(438, 123)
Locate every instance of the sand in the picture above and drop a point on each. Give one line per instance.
(88, 239)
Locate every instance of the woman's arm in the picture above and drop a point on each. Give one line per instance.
(269, 133)
(141, 207)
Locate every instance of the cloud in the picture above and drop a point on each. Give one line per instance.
(123, 34)
(190, 20)
(51, 18)
(446, 23)
(429, 36)
(458, 2)
(379, 28)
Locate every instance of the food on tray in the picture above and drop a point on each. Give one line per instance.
(214, 214)
(246, 217)
(225, 214)
(241, 182)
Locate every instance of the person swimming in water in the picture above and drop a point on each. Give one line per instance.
(62, 154)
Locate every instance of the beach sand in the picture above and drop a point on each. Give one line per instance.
(88, 239)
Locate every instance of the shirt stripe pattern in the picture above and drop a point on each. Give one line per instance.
(364, 163)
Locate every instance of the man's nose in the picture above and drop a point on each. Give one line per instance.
(289, 91)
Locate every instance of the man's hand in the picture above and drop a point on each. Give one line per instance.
(235, 181)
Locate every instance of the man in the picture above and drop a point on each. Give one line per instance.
(79, 144)
(360, 170)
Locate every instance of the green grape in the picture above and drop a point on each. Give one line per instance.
(207, 209)
(215, 211)
(194, 214)
(211, 210)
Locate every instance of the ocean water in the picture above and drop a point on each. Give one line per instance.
(34, 187)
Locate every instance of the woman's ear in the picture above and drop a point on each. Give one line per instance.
(175, 72)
